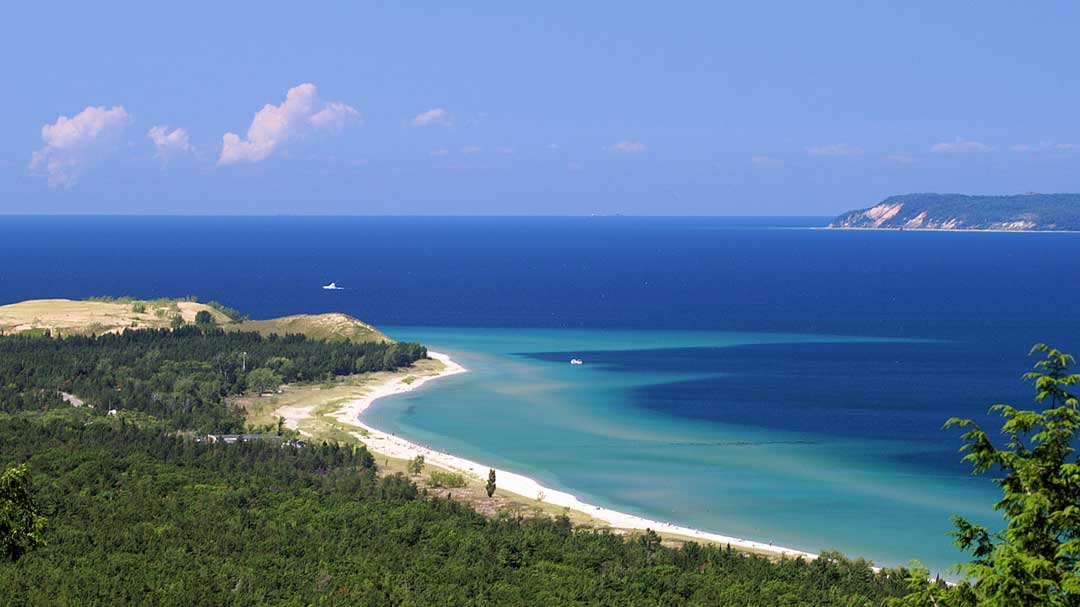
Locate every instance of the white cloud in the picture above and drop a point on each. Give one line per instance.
(301, 113)
(470, 149)
(959, 146)
(833, 149)
(430, 117)
(73, 143)
(1046, 146)
(169, 144)
(334, 117)
(439, 152)
(629, 147)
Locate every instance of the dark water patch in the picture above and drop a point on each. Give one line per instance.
(947, 460)
(743, 443)
(895, 391)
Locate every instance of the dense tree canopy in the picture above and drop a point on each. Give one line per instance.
(21, 525)
(136, 516)
(181, 376)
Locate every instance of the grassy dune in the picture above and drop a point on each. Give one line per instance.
(72, 317)
(317, 326)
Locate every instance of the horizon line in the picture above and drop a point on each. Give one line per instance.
(420, 215)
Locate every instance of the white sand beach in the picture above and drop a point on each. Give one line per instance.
(397, 447)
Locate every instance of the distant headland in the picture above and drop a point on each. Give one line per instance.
(1018, 213)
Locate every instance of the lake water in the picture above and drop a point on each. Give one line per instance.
(748, 376)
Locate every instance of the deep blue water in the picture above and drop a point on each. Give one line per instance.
(886, 391)
(696, 273)
(937, 324)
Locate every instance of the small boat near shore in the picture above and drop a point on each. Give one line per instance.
(576, 361)
(332, 287)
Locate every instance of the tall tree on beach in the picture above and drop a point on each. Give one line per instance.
(1035, 559)
(416, 465)
(490, 487)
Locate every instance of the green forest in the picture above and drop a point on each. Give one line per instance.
(180, 377)
(1044, 211)
(135, 517)
(99, 509)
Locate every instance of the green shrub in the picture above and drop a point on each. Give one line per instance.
(126, 299)
(233, 314)
(448, 480)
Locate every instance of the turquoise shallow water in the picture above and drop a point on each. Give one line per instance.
(825, 443)
(584, 429)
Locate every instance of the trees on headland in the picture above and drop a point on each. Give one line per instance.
(182, 376)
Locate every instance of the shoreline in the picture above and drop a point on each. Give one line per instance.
(394, 446)
(969, 230)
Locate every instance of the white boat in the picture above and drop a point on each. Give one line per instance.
(576, 361)
(332, 287)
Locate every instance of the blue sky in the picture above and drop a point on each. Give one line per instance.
(704, 108)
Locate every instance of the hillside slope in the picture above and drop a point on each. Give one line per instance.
(73, 317)
(1026, 212)
(317, 326)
